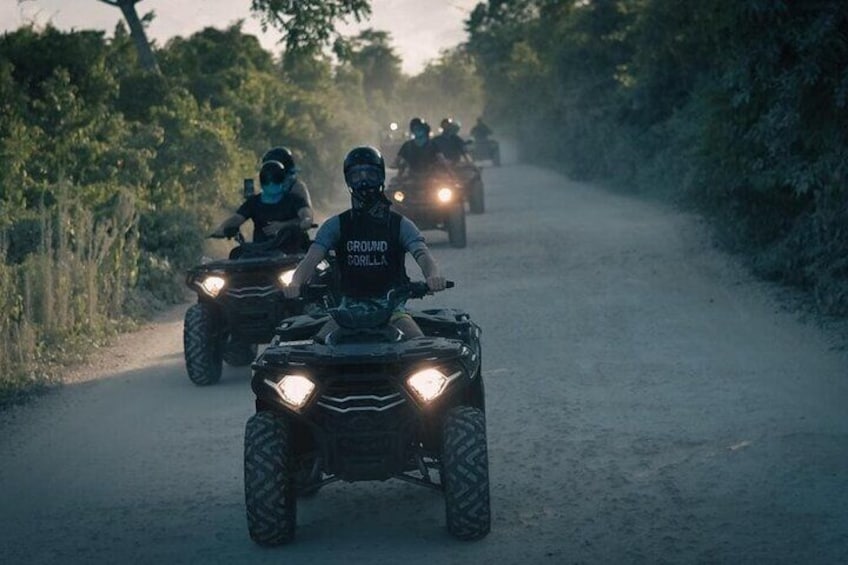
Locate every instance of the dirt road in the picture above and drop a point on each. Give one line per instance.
(648, 402)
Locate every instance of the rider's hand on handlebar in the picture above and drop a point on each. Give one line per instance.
(436, 284)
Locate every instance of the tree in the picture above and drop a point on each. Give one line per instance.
(139, 36)
(308, 25)
(371, 53)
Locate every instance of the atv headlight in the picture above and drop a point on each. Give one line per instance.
(286, 277)
(445, 194)
(294, 390)
(427, 384)
(398, 196)
(212, 285)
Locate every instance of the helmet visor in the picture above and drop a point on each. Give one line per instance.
(365, 177)
(272, 174)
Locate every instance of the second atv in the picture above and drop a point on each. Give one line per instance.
(240, 302)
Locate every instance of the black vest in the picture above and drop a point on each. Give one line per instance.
(370, 255)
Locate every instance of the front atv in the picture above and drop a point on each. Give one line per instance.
(240, 301)
(368, 405)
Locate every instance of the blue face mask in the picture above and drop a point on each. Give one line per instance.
(274, 192)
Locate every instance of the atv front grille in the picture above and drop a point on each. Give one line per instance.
(253, 291)
(346, 396)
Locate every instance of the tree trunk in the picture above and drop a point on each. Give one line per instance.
(139, 36)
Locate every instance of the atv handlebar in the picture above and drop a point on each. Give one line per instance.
(417, 289)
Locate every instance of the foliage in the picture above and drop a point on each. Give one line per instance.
(738, 106)
(308, 25)
(112, 175)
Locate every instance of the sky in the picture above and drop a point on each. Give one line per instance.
(420, 28)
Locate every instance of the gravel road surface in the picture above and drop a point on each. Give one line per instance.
(648, 402)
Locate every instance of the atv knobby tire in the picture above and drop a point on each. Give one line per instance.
(465, 473)
(456, 226)
(476, 198)
(202, 344)
(269, 469)
(239, 354)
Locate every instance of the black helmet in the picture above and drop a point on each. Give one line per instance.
(446, 124)
(415, 123)
(272, 172)
(282, 155)
(364, 169)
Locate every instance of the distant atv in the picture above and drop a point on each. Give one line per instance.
(240, 302)
(432, 202)
(368, 404)
(486, 149)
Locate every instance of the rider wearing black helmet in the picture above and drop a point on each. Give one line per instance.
(284, 156)
(419, 155)
(449, 143)
(274, 209)
(370, 242)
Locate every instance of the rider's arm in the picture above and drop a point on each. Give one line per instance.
(233, 221)
(300, 189)
(401, 165)
(429, 268)
(327, 237)
(305, 217)
(305, 269)
(413, 242)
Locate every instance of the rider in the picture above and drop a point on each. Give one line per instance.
(481, 132)
(419, 155)
(449, 143)
(370, 242)
(284, 156)
(275, 208)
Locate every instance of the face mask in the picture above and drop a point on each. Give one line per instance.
(371, 202)
(274, 192)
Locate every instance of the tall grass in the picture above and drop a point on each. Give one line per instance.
(70, 292)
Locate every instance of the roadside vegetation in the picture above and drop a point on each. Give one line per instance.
(112, 173)
(736, 107)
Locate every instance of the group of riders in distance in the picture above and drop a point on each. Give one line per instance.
(343, 346)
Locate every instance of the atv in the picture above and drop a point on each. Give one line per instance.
(368, 404)
(240, 302)
(434, 201)
(486, 149)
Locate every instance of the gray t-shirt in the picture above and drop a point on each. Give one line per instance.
(331, 231)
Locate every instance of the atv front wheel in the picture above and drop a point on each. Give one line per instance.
(202, 344)
(239, 354)
(456, 226)
(269, 469)
(465, 473)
